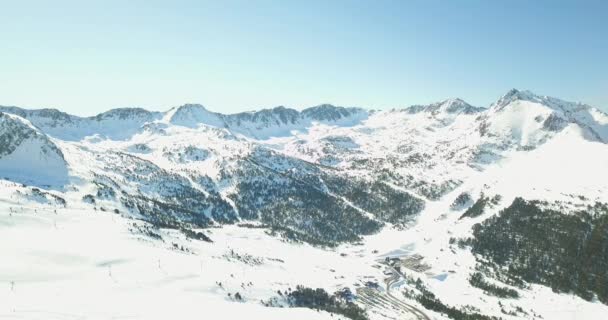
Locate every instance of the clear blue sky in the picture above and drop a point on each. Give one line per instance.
(85, 57)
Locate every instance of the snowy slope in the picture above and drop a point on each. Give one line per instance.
(86, 264)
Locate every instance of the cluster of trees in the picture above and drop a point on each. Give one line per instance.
(478, 208)
(244, 258)
(293, 205)
(461, 201)
(175, 202)
(89, 198)
(383, 201)
(477, 280)
(565, 251)
(147, 230)
(298, 236)
(431, 190)
(195, 235)
(163, 214)
(296, 199)
(47, 197)
(161, 194)
(303, 209)
(104, 191)
(429, 301)
(237, 296)
(319, 299)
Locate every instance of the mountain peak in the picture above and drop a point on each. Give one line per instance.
(52, 115)
(549, 102)
(191, 106)
(13, 120)
(531, 118)
(126, 113)
(324, 107)
(193, 114)
(329, 112)
(281, 108)
(457, 105)
(448, 106)
(277, 116)
(514, 95)
(28, 155)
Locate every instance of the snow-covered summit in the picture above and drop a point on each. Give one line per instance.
(328, 112)
(129, 114)
(28, 155)
(449, 106)
(515, 95)
(46, 117)
(192, 115)
(534, 117)
(265, 118)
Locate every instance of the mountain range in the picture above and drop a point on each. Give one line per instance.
(330, 176)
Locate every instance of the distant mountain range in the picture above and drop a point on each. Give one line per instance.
(294, 170)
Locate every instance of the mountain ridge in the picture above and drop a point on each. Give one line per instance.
(284, 116)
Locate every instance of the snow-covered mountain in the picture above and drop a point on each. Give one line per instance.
(528, 120)
(28, 155)
(449, 106)
(422, 184)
